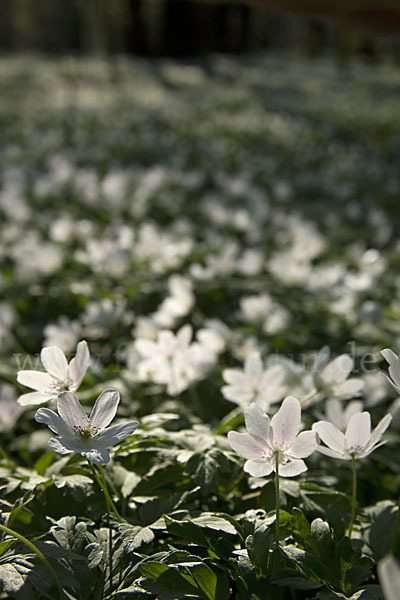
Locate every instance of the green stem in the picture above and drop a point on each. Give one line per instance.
(103, 485)
(354, 494)
(39, 554)
(308, 397)
(396, 530)
(277, 497)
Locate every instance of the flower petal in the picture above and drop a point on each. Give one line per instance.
(49, 418)
(245, 445)
(258, 424)
(330, 435)
(348, 389)
(37, 380)
(333, 453)
(258, 468)
(394, 366)
(358, 430)
(56, 445)
(105, 409)
(114, 435)
(293, 468)
(71, 411)
(389, 577)
(253, 366)
(378, 432)
(286, 422)
(304, 445)
(234, 377)
(338, 369)
(54, 361)
(78, 365)
(34, 398)
(100, 456)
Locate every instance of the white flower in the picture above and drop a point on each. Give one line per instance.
(357, 441)
(389, 577)
(340, 416)
(60, 375)
(89, 436)
(254, 383)
(265, 439)
(394, 367)
(332, 380)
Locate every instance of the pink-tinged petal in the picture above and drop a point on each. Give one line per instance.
(257, 468)
(330, 435)
(253, 366)
(36, 380)
(389, 577)
(348, 389)
(101, 456)
(394, 366)
(56, 445)
(333, 453)
(358, 430)
(293, 468)
(114, 435)
(105, 409)
(378, 432)
(245, 445)
(71, 411)
(34, 398)
(258, 424)
(78, 365)
(234, 377)
(304, 445)
(338, 369)
(286, 422)
(55, 363)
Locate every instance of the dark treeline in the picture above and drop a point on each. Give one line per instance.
(172, 28)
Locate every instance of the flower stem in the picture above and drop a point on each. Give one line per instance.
(277, 506)
(38, 553)
(103, 485)
(308, 397)
(395, 530)
(354, 494)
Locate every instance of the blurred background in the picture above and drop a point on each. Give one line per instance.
(183, 28)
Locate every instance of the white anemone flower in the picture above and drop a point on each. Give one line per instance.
(389, 577)
(254, 383)
(279, 437)
(357, 442)
(88, 436)
(60, 376)
(394, 367)
(331, 378)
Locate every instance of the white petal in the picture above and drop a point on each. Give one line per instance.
(101, 456)
(394, 366)
(253, 366)
(378, 432)
(304, 445)
(358, 430)
(321, 359)
(257, 424)
(184, 336)
(54, 361)
(348, 389)
(235, 377)
(286, 422)
(295, 467)
(146, 347)
(114, 435)
(71, 411)
(34, 398)
(389, 577)
(330, 435)
(245, 445)
(338, 369)
(334, 413)
(234, 394)
(352, 409)
(257, 468)
(105, 409)
(78, 365)
(333, 453)
(273, 377)
(49, 418)
(56, 445)
(35, 380)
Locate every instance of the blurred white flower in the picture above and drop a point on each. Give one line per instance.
(357, 441)
(10, 410)
(60, 375)
(64, 334)
(332, 380)
(88, 436)
(279, 437)
(177, 305)
(254, 383)
(340, 416)
(389, 577)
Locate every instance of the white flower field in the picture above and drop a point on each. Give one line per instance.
(200, 329)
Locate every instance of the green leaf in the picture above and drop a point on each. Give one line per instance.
(134, 536)
(379, 534)
(258, 546)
